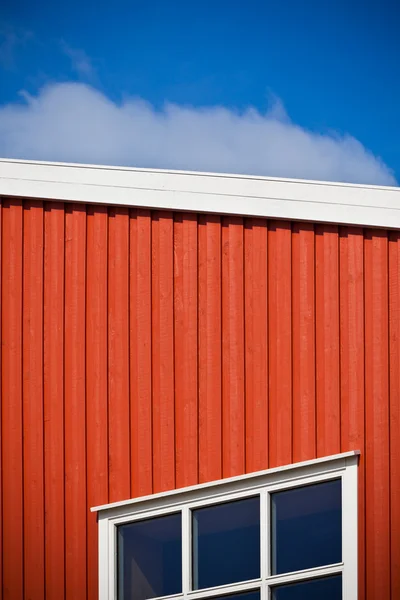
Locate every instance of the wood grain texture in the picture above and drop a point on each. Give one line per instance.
(327, 339)
(118, 355)
(280, 343)
(185, 347)
(140, 353)
(53, 368)
(303, 344)
(143, 350)
(394, 410)
(256, 343)
(163, 401)
(210, 349)
(233, 408)
(96, 380)
(11, 409)
(32, 374)
(377, 416)
(352, 370)
(75, 402)
(352, 336)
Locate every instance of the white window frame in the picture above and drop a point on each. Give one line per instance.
(343, 466)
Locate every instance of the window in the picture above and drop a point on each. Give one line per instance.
(285, 534)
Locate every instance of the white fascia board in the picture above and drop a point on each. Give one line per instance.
(370, 206)
(230, 484)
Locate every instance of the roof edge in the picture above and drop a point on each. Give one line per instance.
(242, 195)
(351, 456)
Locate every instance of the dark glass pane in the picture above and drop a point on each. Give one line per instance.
(254, 595)
(307, 527)
(150, 558)
(226, 543)
(327, 588)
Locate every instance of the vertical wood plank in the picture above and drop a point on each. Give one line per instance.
(11, 381)
(33, 400)
(377, 416)
(327, 339)
(140, 354)
(233, 408)
(303, 311)
(120, 318)
(210, 384)
(256, 343)
(75, 400)
(54, 218)
(280, 343)
(118, 355)
(394, 410)
(163, 352)
(96, 381)
(185, 336)
(352, 367)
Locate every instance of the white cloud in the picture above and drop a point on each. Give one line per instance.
(80, 62)
(74, 122)
(11, 39)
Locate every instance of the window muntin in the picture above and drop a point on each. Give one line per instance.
(252, 595)
(328, 588)
(342, 468)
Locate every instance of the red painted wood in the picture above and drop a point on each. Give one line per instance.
(394, 410)
(210, 351)
(53, 369)
(163, 352)
(327, 339)
(11, 409)
(32, 361)
(280, 343)
(233, 408)
(185, 359)
(96, 381)
(256, 343)
(303, 332)
(352, 371)
(75, 400)
(131, 326)
(140, 353)
(377, 416)
(118, 354)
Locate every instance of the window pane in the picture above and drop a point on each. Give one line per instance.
(150, 558)
(306, 527)
(226, 543)
(328, 588)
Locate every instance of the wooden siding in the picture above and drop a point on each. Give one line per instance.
(143, 351)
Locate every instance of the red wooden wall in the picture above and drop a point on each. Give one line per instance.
(146, 351)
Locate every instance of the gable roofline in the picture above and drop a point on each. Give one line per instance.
(225, 194)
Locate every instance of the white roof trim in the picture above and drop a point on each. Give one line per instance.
(230, 483)
(374, 206)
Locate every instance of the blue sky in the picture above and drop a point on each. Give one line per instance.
(305, 89)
